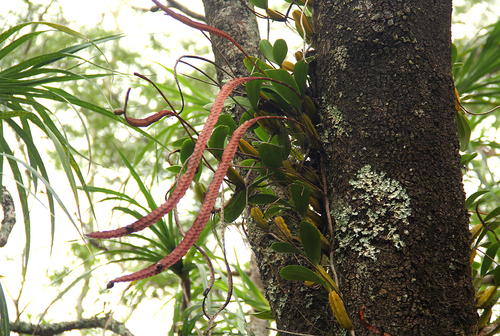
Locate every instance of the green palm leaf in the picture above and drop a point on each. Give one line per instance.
(20, 91)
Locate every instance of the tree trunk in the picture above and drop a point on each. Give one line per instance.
(235, 19)
(385, 90)
(387, 106)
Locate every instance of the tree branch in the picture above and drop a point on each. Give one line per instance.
(9, 216)
(175, 4)
(51, 329)
(185, 10)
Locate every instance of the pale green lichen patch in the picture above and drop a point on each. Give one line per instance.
(340, 56)
(419, 112)
(381, 204)
(335, 120)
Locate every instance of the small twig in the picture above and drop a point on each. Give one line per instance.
(203, 27)
(186, 10)
(482, 113)
(215, 83)
(221, 55)
(157, 89)
(179, 60)
(58, 328)
(487, 256)
(491, 327)
(211, 324)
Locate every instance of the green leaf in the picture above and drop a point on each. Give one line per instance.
(488, 258)
(50, 191)
(284, 247)
(300, 196)
(464, 130)
(174, 169)
(242, 101)
(259, 3)
(247, 162)
(261, 179)
(454, 53)
(300, 273)
(272, 93)
(280, 50)
(21, 189)
(289, 95)
(274, 209)
(4, 313)
(5, 35)
(248, 115)
(495, 212)
(71, 285)
(496, 275)
(197, 176)
(480, 60)
(300, 74)
(261, 133)
(264, 315)
(203, 275)
(270, 155)
(284, 142)
(259, 300)
(217, 140)
(120, 196)
(267, 50)
(253, 93)
(20, 41)
(251, 67)
(235, 206)
(311, 241)
(179, 142)
(470, 200)
(227, 120)
(262, 199)
(466, 158)
(37, 164)
(187, 149)
(146, 193)
(189, 324)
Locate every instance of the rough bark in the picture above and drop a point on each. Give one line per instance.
(387, 105)
(296, 308)
(234, 18)
(9, 216)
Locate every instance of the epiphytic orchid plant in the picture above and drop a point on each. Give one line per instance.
(287, 157)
